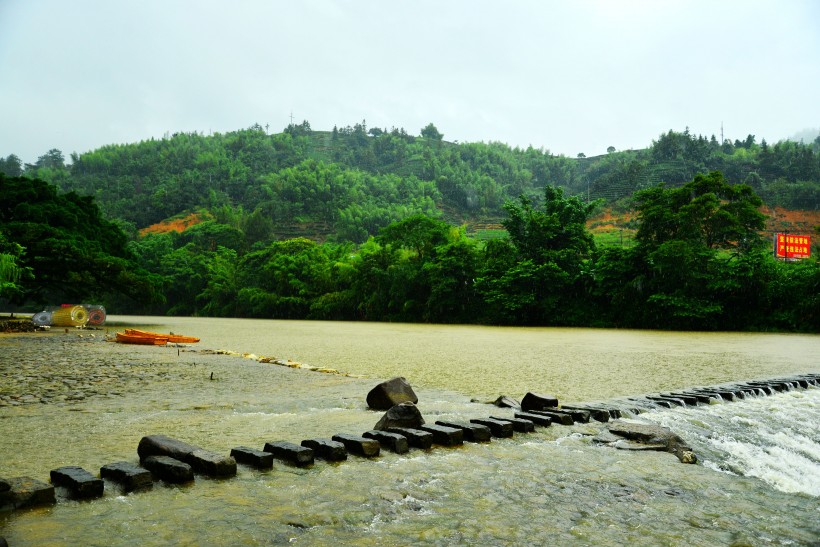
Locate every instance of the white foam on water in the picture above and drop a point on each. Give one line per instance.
(775, 438)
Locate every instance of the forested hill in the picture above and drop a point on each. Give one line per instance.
(349, 182)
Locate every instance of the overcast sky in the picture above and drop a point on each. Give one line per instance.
(568, 76)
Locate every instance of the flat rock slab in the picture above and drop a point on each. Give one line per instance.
(201, 460)
(518, 424)
(474, 433)
(327, 449)
(415, 437)
(538, 401)
(537, 419)
(391, 393)
(28, 492)
(252, 457)
(556, 417)
(169, 469)
(578, 415)
(497, 428)
(654, 437)
(361, 446)
(506, 402)
(443, 435)
(291, 453)
(79, 482)
(130, 476)
(392, 441)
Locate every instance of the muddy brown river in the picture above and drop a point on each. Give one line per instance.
(67, 399)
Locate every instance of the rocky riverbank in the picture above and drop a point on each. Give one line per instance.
(65, 368)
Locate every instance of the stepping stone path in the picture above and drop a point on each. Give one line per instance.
(175, 461)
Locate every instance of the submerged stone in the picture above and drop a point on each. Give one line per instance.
(654, 437)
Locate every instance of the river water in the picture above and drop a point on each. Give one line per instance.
(756, 482)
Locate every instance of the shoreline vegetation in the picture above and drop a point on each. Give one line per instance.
(359, 225)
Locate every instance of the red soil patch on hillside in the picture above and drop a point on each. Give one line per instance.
(780, 220)
(173, 225)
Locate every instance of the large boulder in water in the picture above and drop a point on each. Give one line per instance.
(391, 393)
(403, 415)
(633, 436)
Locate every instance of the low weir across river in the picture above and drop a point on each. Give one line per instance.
(88, 403)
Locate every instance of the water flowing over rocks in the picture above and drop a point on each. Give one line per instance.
(646, 437)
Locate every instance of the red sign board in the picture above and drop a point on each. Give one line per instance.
(792, 246)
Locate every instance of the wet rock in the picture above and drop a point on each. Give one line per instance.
(391, 393)
(536, 401)
(28, 492)
(443, 435)
(5, 486)
(556, 417)
(250, 456)
(401, 415)
(538, 419)
(518, 424)
(361, 446)
(201, 460)
(169, 469)
(596, 413)
(654, 437)
(392, 441)
(291, 453)
(327, 449)
(81, 483)
(506, 402)
(415, 437)
(498, 428)
(474, 433)
(130, 477)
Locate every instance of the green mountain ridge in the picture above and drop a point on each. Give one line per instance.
(351, 181)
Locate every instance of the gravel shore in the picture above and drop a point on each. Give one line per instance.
(64, 368)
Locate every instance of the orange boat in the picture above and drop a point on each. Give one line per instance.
(172, 338)
(125, 338)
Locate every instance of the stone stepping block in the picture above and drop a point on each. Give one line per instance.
(79, 482)
(444, 435)
(415, 437)
(518, 424)
(129, 476)
(497, 428)
(169, 469)
(27, 492)
(654, 403)
(474, 433)
(252, 457)
(327, 449)
(578, 415)
(560, 418)
(201, 460)
(361, 446)
(537, 419)
(596, 413)
(538, 401)
(724, 394)
(674, 401)
(767, 389)
(392, 441)
(689, 400)
(701, 397)
(291, 453)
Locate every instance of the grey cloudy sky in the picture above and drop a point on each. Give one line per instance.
(568, 76)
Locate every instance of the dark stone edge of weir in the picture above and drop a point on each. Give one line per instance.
(24, 492)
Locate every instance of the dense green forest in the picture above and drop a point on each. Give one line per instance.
(347, 183)
(387, 214)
